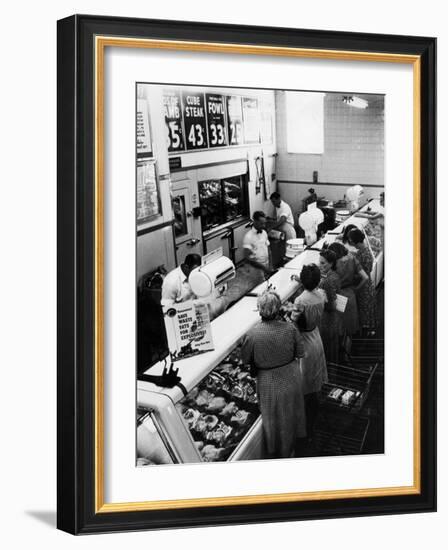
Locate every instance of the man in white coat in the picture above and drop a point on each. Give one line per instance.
(284, 217)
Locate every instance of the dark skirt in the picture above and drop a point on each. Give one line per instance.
(280, 397)
(350, 319)
(330, 331)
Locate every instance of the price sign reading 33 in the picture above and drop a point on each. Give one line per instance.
(215, 120)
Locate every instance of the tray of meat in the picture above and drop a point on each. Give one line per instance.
(241, 418)
(220, 434)
(210, 453)
(203, 399)
(216, 404)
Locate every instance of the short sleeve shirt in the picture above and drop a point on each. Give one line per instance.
(258, 244)
(176, 288)
(285, 210)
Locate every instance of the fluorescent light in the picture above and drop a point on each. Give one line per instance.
(355, 101)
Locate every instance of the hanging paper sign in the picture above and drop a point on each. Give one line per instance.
(341, 302)
(251, 118)
(235, 120)
(215, 120)
(194, 120)
(173, 120)
(188, 328)
(148, 201)
(266, 127)
(143, 137)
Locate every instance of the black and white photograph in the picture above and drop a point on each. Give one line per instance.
(260, 230)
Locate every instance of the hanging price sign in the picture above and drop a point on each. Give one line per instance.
(235, 120)
(215, 120)
(194, 120)
(173, 120)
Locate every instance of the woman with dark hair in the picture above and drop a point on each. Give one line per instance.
(347, 229)
(352, 278)
(272, 348)
(307, 313)
(366, 294)
(330, 325)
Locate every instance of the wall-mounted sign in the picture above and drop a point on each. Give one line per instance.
(235, 120)
(148, 200)
(194, 120)
(143, 138)
(173, 120)
(215, 120)
(175, 163)
(251, 118)
(266, 127)
(188, 328)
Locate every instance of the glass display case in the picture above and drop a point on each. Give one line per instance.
(217, 420)
(210, 198)
(222, 201)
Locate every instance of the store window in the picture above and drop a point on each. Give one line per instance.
(223, 201)
(305, 122)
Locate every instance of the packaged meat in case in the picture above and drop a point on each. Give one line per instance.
(220, 410)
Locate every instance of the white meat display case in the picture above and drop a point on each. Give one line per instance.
(212, 413)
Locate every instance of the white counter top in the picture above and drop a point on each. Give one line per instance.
(233, 324)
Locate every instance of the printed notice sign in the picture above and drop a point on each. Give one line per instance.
(143, 140)
(148, 201)
(173, 120)
(341, 303)
(215, 120)
(235, 120)
(251, 118)
(188, 328)
(194, 120)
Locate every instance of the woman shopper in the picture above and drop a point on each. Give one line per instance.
(331, 325)
(307, 314)
(273, 348)
(366, 294)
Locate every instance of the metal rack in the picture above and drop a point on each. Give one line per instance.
(342, 427)
(340, 434)
(348, 386)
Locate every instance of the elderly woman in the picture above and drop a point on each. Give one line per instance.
(272, 348)
(307, 313)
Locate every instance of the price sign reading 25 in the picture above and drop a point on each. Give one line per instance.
(235, 120)
(215, 120)
(195, 120)
(173, 120)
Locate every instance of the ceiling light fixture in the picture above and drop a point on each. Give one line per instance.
(355, 101)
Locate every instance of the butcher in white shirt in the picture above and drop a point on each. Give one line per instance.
(285, 219)
(257, 252)
(175, 287)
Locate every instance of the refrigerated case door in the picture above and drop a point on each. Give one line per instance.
(238, 237)
(184, 228)
(221, 240)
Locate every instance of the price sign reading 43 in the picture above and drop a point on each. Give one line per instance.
(194, 120)
(215, 120)
(173, 120)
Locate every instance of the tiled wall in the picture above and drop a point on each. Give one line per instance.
(354, 145)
